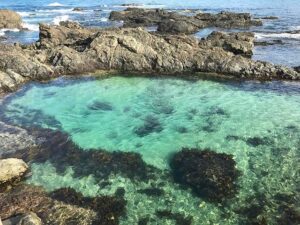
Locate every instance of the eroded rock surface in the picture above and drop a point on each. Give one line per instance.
(11, 170)
(72, 49)
(10, 19)
(173, 22)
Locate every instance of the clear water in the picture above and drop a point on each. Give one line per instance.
(107, 113)
(96, 14)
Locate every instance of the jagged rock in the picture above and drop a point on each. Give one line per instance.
(172, 22)
(11, 170)
(72, 49)
(238, 43)
(297, 68)
(26, 219)
(211, 175)
(10, 19)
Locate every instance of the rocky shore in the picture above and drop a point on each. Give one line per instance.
(72, 49)
(175, 23)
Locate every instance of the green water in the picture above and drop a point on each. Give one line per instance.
(257, 123)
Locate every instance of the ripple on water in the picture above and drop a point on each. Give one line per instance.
(257, 123)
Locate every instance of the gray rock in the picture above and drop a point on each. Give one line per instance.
(172, 22)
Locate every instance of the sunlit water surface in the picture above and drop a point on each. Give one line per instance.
(258, 123)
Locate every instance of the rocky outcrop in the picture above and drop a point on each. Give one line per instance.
(10, 19)
(211, 175)
(72, 49)
(13, 139)
(173, 22)
(11, 170)
(24, 219)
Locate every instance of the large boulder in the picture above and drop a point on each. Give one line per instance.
(211, 175)
(11, 170)
(10, 19)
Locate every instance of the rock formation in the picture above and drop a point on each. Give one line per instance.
(72, 49)
(173, 22)
(11, 170)
(10, 19)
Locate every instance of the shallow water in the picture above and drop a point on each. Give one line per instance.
(96, 13)
(258, 123)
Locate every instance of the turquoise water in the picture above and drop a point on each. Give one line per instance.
(258, 123)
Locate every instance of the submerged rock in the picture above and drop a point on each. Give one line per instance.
(211, 175)
(11, 171)
(152, 191)
(108, 208)
(26, 199)
(173, 22)
(177, 217)
(57, 148)
(23, 219)
(99, 105)
(10, 19)
(151, 125)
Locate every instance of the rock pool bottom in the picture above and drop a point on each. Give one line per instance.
(258, 123)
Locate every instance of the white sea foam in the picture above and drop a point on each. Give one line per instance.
(29, 26)
(58, 19)
(104, 19)
(140, 6)
(55, 4)
(55, 11)
(24, 14)
(277, 35)
(3, 31)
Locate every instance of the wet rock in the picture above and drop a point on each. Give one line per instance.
(268, 43)
(108, 209)
(238, 43)
(23, 199)
(144, 221)
(27, 198)
(270, 18)
(13, 139)
(29, 219)
(177, 27)
(152, 191)
(177, 217)
(99, 105)
(289, 215)
(297, 68)
(172, 22)
(11, 170)
(77, 9)
(58, 148)
(151, 125)
(10, 19)
(181, 129)
(211, 175)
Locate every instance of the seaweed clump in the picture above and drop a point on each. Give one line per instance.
(177, 217)
(108, 208)
(211, 175)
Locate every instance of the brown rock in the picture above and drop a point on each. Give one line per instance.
(11, 170)
(10, 19)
